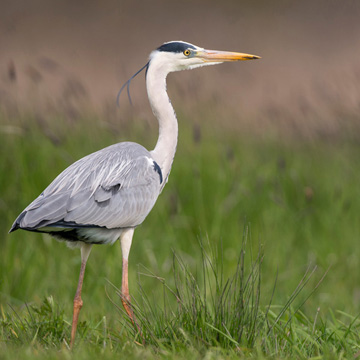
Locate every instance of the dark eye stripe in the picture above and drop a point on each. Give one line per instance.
(175, 47)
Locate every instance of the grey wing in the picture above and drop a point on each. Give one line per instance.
(114, 188)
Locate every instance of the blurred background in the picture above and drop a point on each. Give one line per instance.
(66, 56)
(273, 143)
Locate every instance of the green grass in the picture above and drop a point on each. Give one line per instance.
(299, 203)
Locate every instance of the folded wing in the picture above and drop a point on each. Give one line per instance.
(115, 187)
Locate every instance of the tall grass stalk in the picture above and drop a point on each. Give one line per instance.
(205, 308)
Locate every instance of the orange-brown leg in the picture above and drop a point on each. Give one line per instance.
(126, 239)
(125, 295)
(78, 303)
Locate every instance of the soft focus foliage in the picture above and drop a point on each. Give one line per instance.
(299, 200)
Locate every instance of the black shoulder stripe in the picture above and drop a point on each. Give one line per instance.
(158, 170)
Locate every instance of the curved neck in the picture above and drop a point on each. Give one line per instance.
(165, 148)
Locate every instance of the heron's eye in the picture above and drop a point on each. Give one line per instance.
(187, 52)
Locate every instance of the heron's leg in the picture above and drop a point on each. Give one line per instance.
(126, 239)
(78, 303)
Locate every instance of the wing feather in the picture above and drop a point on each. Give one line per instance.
(115, 187)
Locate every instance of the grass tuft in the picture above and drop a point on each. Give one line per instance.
(204, 310)
(209, 310)
(42, 324)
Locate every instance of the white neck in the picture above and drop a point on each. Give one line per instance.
(165, 148)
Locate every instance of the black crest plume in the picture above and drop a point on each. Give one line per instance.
(127, 84)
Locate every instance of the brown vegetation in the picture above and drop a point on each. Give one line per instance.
(64, 56)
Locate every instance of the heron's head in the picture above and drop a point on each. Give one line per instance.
(180, 55)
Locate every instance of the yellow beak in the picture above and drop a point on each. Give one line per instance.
(220, 56)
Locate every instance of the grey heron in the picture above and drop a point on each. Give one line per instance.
(104, 196)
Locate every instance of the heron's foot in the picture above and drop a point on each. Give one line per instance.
(125, 299)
